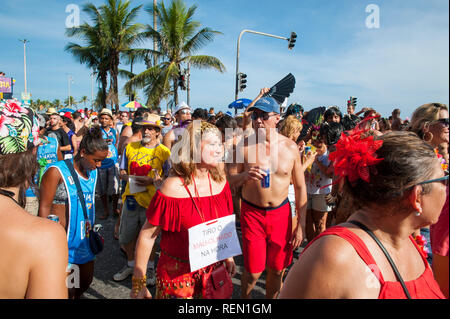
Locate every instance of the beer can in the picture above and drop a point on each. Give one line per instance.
(53, 217)
(265, 182)
(307, 149)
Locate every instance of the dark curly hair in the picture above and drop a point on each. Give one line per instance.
(331, 132)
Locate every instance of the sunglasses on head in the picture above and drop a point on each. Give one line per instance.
(264, 115)
(185, 111)
(443, 121)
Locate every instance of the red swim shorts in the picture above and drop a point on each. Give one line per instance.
(266, 233)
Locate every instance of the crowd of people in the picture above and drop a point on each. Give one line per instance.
(291, 179)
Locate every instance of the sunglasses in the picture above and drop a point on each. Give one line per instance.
(443, 180)
(444, 122)
(167, 119)
(184, 112)
(264, 115)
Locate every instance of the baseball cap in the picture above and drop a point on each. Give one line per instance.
(180, 107)
(266, 104)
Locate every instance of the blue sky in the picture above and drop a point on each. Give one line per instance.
(404, 63)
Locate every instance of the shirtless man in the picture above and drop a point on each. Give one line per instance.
(267, 231)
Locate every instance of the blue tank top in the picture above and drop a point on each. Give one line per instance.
(78, 242)
(112, 157)
(48, 151)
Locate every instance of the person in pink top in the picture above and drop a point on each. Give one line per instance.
(439, 246)
(401, 187)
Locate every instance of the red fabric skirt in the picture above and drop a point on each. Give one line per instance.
(175, 281)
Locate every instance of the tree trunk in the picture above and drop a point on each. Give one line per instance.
(175, 91)
(104, 83)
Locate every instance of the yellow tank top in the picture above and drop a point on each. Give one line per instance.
(138, 155)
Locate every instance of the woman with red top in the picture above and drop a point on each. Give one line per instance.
(197, 181)
(400, 185)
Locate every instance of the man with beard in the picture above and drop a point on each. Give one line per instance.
(184, 118)
(143, 164)
(54, 130)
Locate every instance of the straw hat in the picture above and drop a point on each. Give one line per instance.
(150, 119)
(52, 111)
(106, 112)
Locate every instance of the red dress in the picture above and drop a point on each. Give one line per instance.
(424, 287)
(175, 216)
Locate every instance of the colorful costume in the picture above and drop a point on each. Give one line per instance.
(175, 216)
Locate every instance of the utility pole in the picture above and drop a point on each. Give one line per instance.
(25, 62)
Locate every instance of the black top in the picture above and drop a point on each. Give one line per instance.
(60, 135)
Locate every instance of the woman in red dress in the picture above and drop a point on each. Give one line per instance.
(197, 177)
(400, 185)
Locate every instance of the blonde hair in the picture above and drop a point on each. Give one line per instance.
(424, 115)
(186, 153)
(290, 126)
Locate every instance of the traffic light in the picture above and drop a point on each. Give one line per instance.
(292, 40)
(354, 101)
(241, 79)
(182, 80)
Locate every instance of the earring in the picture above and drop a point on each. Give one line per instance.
(417, 214)
(427, 137)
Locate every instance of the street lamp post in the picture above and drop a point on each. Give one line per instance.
(25, 62)
(237, 55)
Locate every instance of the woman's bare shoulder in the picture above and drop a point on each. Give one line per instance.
(173, 187)
(323, 271)
(32, 233)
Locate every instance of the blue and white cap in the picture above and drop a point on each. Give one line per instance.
(266, 104)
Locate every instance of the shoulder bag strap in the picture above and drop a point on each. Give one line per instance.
(195, 204)
(397, 273)
(78, 186)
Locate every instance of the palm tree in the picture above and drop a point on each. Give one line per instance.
(177, 40)
(84, 100)
(94, 52)
(72, 101)
(120, 34)
(131, 57)
(56, 103)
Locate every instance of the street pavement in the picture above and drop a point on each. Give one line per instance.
(111, 260)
